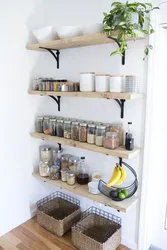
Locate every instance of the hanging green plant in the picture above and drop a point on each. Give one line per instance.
(128, 19)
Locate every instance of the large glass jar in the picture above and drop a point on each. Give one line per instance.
(100, 134)
(53, 126)
(39, 124)
(44, 169)
(91, 133)
(70, 178)
(67, 129)
(75, 131)
(46, 125)
(82, 175)
(111, 141)
(83, 132)
(54, 172)
(57, 157)
(65, 160)
(73, 163)
(118, 128)
(60, 127)
(46, 154)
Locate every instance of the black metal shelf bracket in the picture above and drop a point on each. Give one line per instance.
(56, 56)
(57, 100)
(119, 44)
(121, 103)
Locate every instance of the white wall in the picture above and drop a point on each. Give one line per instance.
(19, 110)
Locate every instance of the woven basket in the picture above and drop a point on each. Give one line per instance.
(97, 230)
(58, 213)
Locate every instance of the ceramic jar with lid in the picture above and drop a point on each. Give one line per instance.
(60, 127)
(67, 129)
(91, 133)
(100, 134)
(83, 132)
(111, 141)
(117, 83)
(102, 83)
(87, 81)
(75, 131)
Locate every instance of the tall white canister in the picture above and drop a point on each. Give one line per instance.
(117, 83)
(102, 82)
(87, 81)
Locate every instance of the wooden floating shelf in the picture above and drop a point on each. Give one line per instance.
(82, 190)
(74, 42)
(106, 95)
(119, 152)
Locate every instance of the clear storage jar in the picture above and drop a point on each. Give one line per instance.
(111, 141)
(67, 129)
(83, 132)
(91, 133)
(54, 172)
(46, 125)
(118, 128)
(75, 131)
(70, 178)
(73, 163)
(65, 160)
(100, 134)
(53, 126)
(60, 127)
(44, 169)
(46, 154)
(39, 124)
(64, 174)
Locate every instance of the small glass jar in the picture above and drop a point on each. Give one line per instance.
(65, 160)
(54, 173)
(43, 85)
(39, 124)
(53, 126)
(64, 174)
(46, 154)
(67, 129)
(70, 178)
(71, 86)
(46, 125)
(44, 169)
(108, 127)
(36, 83)
(111, 141)
(73, 163)
(60, 127)
(83, 132)
(118, 128)
(91, 133)
(75, 131)
(100, 134)
(64, 86)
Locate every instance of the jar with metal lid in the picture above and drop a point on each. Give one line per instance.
(60, 127)
(73, 163)
(64, 174)
(91, 133)
(46, 125)
(65, 160)
(75, 131)
(53, 126)
(118, 128)
(44, 169)
(83, 132)
(70, 178)
(100, 134)
(39, 124)
(71, 86)
(111, 141)
(67, 129)
(46, 154)
(54, 172)
(64, 86)
(108, 127)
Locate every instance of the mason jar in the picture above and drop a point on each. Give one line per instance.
(67, 129)
(39, 124)
(54, 172)
(60, 127)
(46, 125)
(118, 128)
(100, 134)
(75, 131)
(91, 133)
(53, 126)
(46, 154)
(83, 132)
(111, 141)
(73, 163)
(44, 169)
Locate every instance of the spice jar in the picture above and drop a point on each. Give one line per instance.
(67, 129)
(64, 86)
(70, 178)
(60, 127)
(44, 169)
(118, 128)
(91, 133)
(53, 126)
(54, 173)
(83, 132)
(111, 140)
(75, 131)
(100, 134)
(46, 125)
(73, 163)
(65, 160)
(64, 174)
(71, 86)
(46, 154)
(39, 124)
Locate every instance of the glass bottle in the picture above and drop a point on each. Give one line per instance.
(75, 131)
(82, 175)
(100, 134)
(129, 140)
(60, 127)
(53, 126)
(67, 129)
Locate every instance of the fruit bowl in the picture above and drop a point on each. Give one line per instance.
(111, 192)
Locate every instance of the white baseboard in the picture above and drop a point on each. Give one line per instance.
(130, 245)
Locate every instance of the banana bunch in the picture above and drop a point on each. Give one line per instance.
(118, 176)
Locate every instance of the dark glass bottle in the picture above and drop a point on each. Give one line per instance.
(82, 176)
(129, 140)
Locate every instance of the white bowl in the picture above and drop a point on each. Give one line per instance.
(54, 33)
(93, 187)
(92, 28)
(68, 31)
(43, 34)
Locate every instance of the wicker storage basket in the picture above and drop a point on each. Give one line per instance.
(58, 212)
(97, 230)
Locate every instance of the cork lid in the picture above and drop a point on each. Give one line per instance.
(102, 75)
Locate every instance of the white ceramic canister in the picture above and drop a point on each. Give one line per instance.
(102, 83)
(87, 81)
(117, 83)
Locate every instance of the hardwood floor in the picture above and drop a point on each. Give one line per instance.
(31, 236)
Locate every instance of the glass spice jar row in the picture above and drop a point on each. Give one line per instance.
(49, 84)
(107, 135)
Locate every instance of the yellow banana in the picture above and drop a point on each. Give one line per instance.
(116, 175)
(122, 178)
